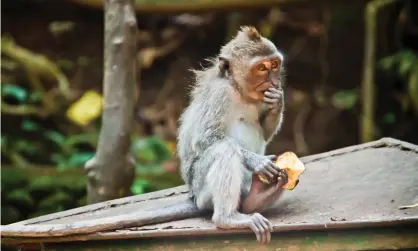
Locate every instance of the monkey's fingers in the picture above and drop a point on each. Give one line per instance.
(257, 231)
(261, 230)
(275, 166)
(264, 176)
(265, 226)
(283, 177)
(275, 90)
(270, 100)
(272, 169)
(266, 230)
(275, 94)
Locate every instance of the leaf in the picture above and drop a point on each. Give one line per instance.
(56, 137)
(36, 96)
(139, 186)
(29, 126)
(83, 61)
(65, 64)
(405, 67)
(142, 150)
(20, 197)
(389, 118)
(59, 27)
(24, 146)
(14, 91)
(402, 62)
(345, 99)
(57, 158)
(413, 88)
(57, 198)
(75, 161)
(89, 138)
(388, 63)
(10, 215)
(3, 141)
(86, 109)
(79, 159)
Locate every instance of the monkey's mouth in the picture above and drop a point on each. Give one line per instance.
(263, 86)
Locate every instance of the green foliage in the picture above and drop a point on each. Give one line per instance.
(39, 138)
(139, 186)
(389, 118)
(10, 214)
(58, 198)
(76, 160)
(14, 91)
(405, 65)
(345, 99)
(151, 150)
(50, 183)
(20, 197)
(150, 153)
(13, 179)
(402, 62)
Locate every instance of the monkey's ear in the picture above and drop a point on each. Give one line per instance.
(223, 66)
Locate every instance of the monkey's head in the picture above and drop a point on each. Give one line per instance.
(252, 63)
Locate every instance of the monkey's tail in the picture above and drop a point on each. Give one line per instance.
(178, 211)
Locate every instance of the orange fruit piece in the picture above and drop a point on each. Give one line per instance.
(289, 162)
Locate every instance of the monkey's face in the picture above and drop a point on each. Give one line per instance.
(264, 73)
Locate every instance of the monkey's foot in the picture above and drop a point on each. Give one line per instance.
(261, 227)
(256, 222)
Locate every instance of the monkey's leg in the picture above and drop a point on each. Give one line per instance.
(260, 198)
(225, 180)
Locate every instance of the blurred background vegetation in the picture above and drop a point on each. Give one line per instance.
(52, 70)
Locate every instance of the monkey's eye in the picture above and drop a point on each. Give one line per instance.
(262, 67)
(274, 65)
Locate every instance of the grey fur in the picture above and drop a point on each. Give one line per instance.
(222, 139)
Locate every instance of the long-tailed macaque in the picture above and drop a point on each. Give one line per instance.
(235, 110)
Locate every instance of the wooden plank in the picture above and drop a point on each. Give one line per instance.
(347, 188)
(361, 239)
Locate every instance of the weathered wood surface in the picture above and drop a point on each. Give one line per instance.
(347, 188)
(380, 239)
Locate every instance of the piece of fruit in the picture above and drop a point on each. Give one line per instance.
(289, 162)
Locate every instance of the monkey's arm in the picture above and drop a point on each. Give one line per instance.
(271, 116)
(261, 197)
(180, 210)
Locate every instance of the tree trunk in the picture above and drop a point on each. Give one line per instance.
(111, 171)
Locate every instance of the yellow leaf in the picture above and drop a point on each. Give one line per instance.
(86, 109)
(172, 146)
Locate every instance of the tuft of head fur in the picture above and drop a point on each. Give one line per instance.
(247, 43)
(252, 33)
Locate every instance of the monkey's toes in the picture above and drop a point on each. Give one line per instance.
(261, 227)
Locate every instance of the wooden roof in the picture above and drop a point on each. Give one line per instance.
(357, 186)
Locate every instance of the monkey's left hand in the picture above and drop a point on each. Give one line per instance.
(273, 97)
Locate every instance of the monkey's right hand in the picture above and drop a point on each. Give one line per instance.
(266, 167)
(262, 165)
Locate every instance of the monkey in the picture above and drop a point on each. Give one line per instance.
(236, 108)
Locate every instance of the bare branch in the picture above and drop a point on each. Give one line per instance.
(111, 171)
